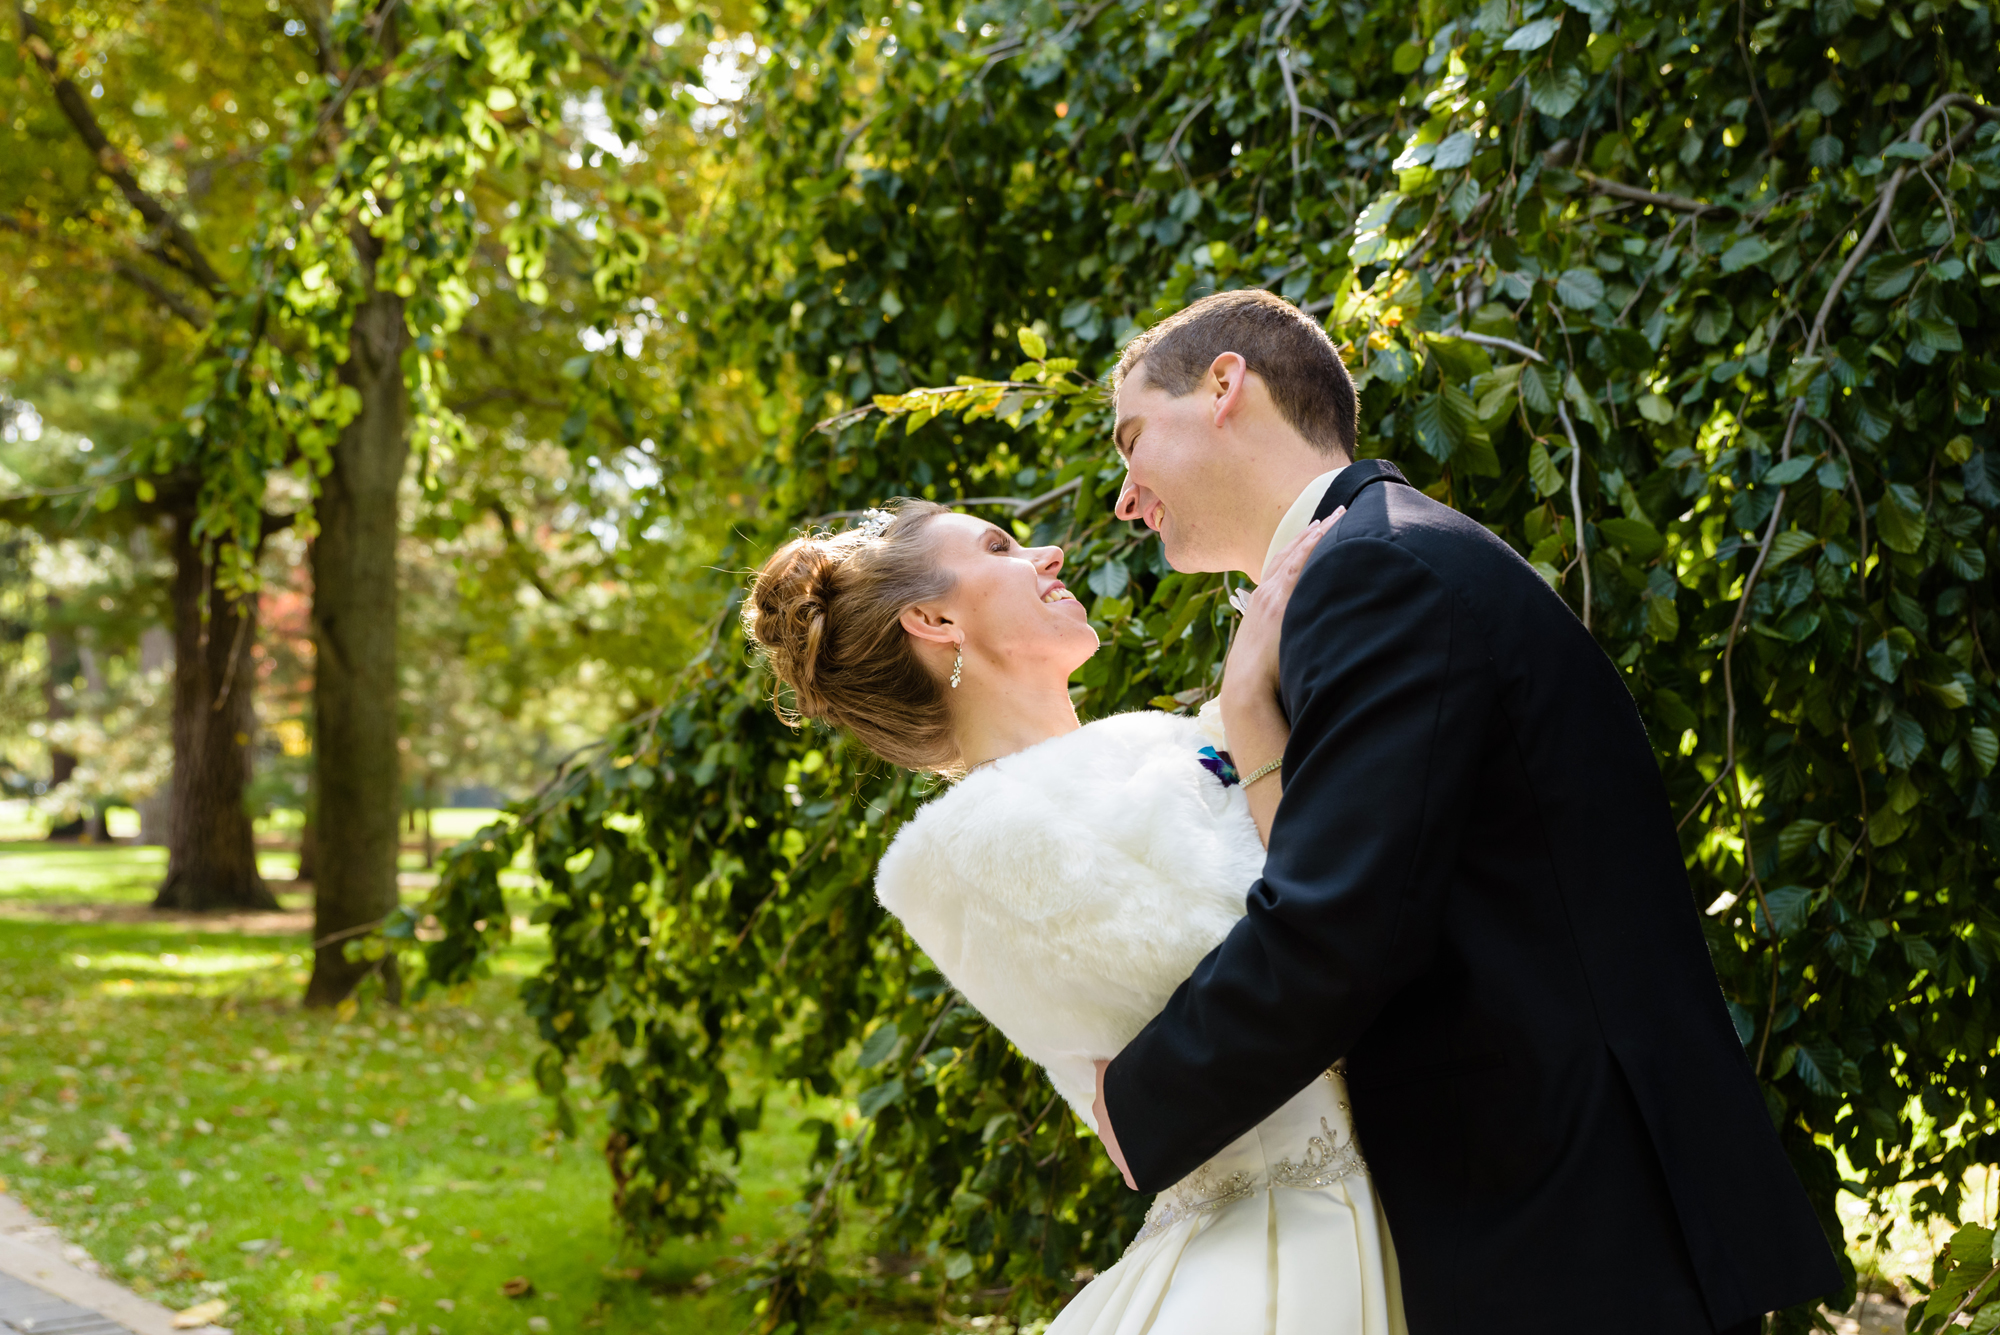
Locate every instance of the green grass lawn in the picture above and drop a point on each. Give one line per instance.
(165, 1102)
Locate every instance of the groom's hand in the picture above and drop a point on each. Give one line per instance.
(1106, 1134)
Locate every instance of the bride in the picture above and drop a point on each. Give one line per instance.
(1074, 875)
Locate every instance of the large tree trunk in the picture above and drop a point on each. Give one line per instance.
(211, 852)
(354, 679)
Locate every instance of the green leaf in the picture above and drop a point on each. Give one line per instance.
(1541, 472)
(1743, 254)
(1887, 655)
(1906, 151)
(1789, 471)
(1789, 907)
(1555, 92)
(1826, 151)
(1985, 747)
(1634, 535)
(1539, 387)
(874, 1100)
(1902, 740)
(1437, 431)
(1950, 694)
(1655, 409)
(1711, 321)
(1586, 403)
(596, 870)
(1940, 334)
(1900, 518)
(1109, 579)
(1032, 343)
(1818, 1064)
(1796, 837)
(1889, 278)
(1787, 545)
(880, 1046)
(1579, 289)
(1971, 1250)
(1920, 953)
(144, 490)
(1663, 619)
(1532, 36)
(1800, 375)
(1456, 150)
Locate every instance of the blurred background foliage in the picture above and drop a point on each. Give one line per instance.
(1690, 304)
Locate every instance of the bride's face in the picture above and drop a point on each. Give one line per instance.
(1018, 619)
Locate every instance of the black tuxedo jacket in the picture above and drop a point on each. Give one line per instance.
(1474, 894)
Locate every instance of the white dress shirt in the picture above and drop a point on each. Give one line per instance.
(1296, 518)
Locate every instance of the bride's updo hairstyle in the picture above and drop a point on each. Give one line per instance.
(827, 609)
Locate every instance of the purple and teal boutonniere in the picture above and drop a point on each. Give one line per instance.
(1220, 765)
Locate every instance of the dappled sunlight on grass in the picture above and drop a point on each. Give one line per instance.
(69, 873)
(193, 964)
(166, 1104)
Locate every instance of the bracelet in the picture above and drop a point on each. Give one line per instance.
(1261, 771)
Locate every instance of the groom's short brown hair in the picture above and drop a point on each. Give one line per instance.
(1281, 343)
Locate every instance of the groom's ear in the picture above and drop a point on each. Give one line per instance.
(1226, 383)
(928, 625)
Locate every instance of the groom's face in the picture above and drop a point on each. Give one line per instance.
(1181, 477)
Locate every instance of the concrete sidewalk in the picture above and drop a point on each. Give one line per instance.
(55, 1286)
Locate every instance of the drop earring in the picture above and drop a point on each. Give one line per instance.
(958, 667)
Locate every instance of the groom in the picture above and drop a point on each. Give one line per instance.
(1474, 892)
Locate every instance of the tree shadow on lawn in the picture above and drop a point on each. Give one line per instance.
(112, 882)
(167, 1105)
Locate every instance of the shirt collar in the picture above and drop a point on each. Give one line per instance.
(1296, 518)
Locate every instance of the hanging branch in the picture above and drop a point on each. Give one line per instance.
(191, 314)
(184, 253)
(1886, 201)
(1678, 203)
(1021, 506)
(1576, 503)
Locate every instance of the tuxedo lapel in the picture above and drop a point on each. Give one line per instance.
(1353, 479)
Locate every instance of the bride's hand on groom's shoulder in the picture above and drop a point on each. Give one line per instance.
(1250, 677)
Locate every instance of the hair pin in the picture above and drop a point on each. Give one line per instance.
(873, 522)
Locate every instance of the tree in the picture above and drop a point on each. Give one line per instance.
(125, 275)
(327, 337)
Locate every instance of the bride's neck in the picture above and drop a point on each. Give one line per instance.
(1000, 718)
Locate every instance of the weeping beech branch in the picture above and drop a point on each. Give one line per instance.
(181, 249)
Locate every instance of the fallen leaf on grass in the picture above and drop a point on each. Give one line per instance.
(446, 1304)
(624, 1272)
(201, 1314)
(518, 1287)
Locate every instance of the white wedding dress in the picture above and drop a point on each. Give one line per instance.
(1066, 891)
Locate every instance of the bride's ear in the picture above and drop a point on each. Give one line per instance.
(929, 627)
